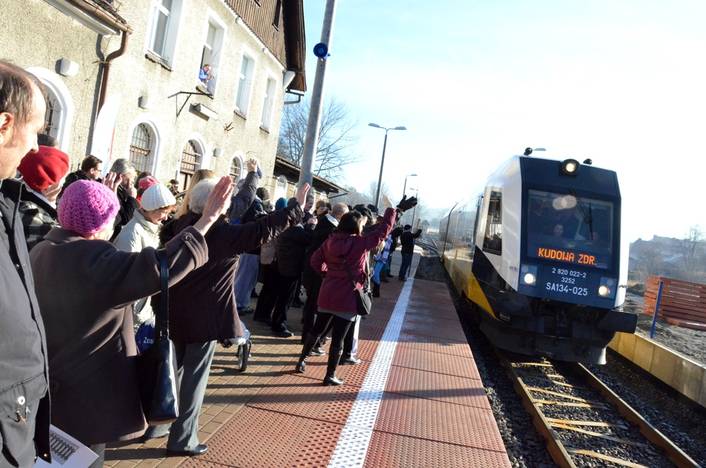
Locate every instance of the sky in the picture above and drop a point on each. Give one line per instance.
(475, 82)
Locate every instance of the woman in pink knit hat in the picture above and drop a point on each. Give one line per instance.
(84, 286)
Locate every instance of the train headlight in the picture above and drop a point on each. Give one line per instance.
(570, 167)
(606, 287)
(528, 275)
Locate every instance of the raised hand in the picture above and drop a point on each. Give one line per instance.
(407, 203)
(302, 191)
(112, 181)
(251, 164)
(219, 198)
(51, 192)
(215, 205)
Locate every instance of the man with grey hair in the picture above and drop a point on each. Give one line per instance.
(24, 375)
(126, 194)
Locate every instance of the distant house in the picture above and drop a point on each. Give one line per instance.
(173, 85)
(666, 256)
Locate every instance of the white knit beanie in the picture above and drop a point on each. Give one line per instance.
(157, 196)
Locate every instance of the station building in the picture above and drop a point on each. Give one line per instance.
(172, 85)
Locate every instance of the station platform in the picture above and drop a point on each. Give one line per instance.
(416, 400)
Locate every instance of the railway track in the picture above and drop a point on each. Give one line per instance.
(583, 422)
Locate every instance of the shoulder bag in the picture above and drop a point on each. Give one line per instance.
(363, 297)
(156, 367)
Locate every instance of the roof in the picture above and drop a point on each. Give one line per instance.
(280, 31)
(104, 11)
(295, 41)
(291, 171)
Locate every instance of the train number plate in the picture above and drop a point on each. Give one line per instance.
(567, 282)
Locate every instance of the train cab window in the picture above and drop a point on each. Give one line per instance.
(493, 241)
(570, 228)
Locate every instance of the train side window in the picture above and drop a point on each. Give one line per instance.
(493, 241)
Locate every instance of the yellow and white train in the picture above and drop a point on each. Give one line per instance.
(539, 256)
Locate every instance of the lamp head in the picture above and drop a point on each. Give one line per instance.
(402, 127)
(374, 125)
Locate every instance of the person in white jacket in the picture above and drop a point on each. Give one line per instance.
(143, 231)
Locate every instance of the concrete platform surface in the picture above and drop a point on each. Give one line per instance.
(416, 400)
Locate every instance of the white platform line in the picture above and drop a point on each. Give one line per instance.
(352, 446)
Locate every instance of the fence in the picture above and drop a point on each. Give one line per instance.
(682, 303)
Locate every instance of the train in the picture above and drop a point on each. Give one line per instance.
(539, 256)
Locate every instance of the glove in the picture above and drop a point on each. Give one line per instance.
(407, 203)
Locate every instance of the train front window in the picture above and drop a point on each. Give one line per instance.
(569, 228)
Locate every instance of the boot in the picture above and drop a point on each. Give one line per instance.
(309, 343)
(376, 289)
(333, 358)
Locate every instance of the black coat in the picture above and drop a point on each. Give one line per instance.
(242, 200)
(128, 205)
(291, 250)
(73, 177)
(407, 240)
(24, 378)
(324, 228)
(254, 212)
(202, 307)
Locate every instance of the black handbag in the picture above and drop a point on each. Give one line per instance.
(363, 296)
(156, 367)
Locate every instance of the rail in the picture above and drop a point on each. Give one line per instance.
(582, 418)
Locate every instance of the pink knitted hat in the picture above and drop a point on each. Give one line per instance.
(87, 207)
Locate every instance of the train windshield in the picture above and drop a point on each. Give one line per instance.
(569, 228)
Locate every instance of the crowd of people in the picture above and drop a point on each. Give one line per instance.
(79, 261)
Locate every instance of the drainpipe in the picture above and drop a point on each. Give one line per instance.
(106, 70)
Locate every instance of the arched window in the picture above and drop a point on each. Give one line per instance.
(191, 157)
(52, 118)
(142, 148)
(281, 188)
(58, 118)
(236, 169)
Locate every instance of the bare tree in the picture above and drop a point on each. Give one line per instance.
(333, 150)
(385, 197)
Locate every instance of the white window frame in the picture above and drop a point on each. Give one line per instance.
(238, 156)
(268, 103)
(149, 122)
(60, 91)
(245, 84)
(217, 48)
(171, 31)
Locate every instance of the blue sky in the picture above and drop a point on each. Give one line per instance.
(622, 82)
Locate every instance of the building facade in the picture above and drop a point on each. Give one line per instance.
(172, 85)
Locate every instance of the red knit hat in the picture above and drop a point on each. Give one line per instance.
(44, 168)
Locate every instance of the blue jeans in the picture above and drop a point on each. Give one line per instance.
(406, 263)
(246, 279)
(379, 265)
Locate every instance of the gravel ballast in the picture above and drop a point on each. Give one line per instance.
(681, 420)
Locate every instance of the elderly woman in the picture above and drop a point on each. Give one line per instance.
(341, 260)
(84, 286)
(198, 176)
(143, 231)
(209, 291)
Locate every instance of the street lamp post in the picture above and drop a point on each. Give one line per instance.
(382, 163)
(404, 189)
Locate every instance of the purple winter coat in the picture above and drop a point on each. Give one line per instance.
(346, 251)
